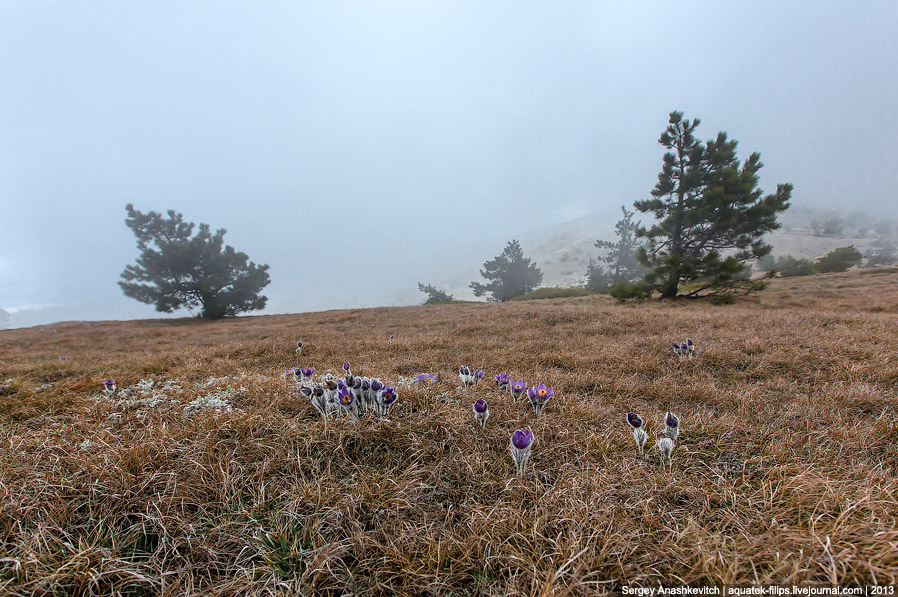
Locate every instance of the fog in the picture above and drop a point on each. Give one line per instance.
(361, 147)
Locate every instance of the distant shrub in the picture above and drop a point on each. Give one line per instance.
(838, 260)
(435, 296)
(627, 290)
(767, 263)
(789, 267)
(882, 252)
(553, 292)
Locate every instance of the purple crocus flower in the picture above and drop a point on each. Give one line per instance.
(671, 426)
(385, 399)
(539, 396)
(521, 442)
(427, 379)
(347, 400)
(502, 381)
(522, 439)
(639, 434)
(481, 412)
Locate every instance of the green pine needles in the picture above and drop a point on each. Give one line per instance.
(710, 215)
(177, 268)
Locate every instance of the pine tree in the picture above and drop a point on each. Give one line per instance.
(434, 295)
(622, 257)
(179, 269)
(511, 275)
(711, 215)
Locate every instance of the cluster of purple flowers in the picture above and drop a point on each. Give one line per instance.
(664, 444)
(428, 379)
(684, 349)
(470, 376)
(355, 395)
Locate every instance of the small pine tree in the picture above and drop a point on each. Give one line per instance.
(510, 274)
(882, 252)
(179, 269)
(622, 256)
(838, 260)
(434, 295)
(598, 279)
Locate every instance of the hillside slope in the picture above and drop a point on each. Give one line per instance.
(784, 471)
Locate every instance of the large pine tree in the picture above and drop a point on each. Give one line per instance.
(711, 215)
(510, 274)
(179, 269)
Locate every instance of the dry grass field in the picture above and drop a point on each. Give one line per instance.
(784, 472)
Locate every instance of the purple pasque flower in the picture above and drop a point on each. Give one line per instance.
(306, 391)
(385, 399)
(690, 347)
(109, 386)
(299, 344)
(639, 434)
(376, 385)
(307, 371)
(62, 358)
(346, 368)
(427, 379)
(522, 439)
(684, 349)
(671, 425)
(478, 375)
(676, 347)
(521, 442)
(518, 388)
(346, 399)
(502, 381)
(299, 347)
(464, 373)
(539, 396)
(481, 412)
(289, 372)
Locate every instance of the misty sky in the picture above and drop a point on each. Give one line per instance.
(356, 146)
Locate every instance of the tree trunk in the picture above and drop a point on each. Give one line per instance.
(673, 285)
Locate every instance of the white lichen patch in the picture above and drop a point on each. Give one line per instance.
(218, 401)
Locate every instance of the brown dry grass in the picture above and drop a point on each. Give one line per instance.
(785, 470)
